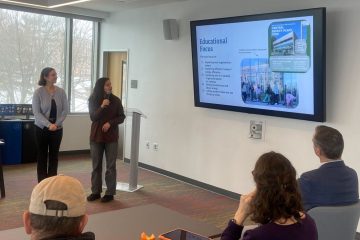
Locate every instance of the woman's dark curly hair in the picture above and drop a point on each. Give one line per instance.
(277, 194)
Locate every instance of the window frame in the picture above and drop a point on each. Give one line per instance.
(68, 59)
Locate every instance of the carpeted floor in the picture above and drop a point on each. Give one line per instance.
(183, 198)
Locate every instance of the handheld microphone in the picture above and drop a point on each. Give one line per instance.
(107, 96)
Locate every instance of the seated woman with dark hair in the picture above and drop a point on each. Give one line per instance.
(275, 205)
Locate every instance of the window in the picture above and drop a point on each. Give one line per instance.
(32, 41)
(29, 42)
(82, 56)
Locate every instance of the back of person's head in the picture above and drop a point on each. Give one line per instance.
(57, 208)
(329, 141)
(277, 194)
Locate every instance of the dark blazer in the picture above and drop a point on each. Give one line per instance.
(332, 184)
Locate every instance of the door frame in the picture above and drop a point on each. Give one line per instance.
(124, 93)
(125, 84)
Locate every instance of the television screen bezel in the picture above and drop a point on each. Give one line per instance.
(319, 62)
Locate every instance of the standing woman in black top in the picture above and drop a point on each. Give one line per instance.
(106, 113)
(50, 107)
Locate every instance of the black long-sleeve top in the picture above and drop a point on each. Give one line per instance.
(114, 114)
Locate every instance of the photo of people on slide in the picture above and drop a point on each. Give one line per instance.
(289, 46)
(274, 80)
(261, 86)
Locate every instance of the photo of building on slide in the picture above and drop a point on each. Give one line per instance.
(261, 86)
(290, 46)
(289, 38)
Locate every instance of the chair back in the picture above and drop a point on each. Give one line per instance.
(336, 222)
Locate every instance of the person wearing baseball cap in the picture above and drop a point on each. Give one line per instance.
(57, 210)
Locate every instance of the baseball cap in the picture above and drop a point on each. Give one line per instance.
(64, 189)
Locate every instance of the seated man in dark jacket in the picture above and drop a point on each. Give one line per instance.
(57, 210)
(333, 183)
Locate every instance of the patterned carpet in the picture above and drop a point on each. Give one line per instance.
(183, 198)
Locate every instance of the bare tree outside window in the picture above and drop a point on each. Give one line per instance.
(29, 42)
(82, 55)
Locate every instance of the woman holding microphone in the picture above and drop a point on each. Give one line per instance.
(106, 113)
(50, 107)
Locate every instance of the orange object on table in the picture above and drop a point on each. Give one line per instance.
(145, 237)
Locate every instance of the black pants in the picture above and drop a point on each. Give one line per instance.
(48, 144)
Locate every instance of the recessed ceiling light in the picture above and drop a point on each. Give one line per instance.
(45, 4)
(68, 3)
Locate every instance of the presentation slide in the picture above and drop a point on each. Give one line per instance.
(264, 64)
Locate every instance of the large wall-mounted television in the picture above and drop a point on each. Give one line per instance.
(270, 64)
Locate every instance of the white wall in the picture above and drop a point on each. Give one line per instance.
(212, 146)
(76, 133)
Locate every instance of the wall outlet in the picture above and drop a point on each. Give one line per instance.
(147, 144)
(257, 129)
(156, 147)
